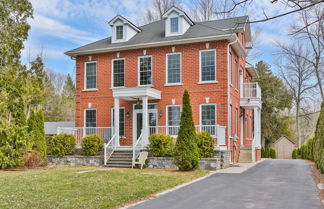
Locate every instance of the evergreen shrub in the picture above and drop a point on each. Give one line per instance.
(91, 145)
(161, 145)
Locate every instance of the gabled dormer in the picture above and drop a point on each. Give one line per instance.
(177, 22)
(122, 30)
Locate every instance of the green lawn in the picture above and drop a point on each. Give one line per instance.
(64, 188)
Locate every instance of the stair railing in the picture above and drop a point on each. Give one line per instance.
(109, 149)
(137, 148)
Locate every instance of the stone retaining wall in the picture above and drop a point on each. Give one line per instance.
(76, 160)
(219, 161)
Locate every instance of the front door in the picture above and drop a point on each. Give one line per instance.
(138, 122)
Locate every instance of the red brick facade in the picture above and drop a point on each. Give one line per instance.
(102, 99)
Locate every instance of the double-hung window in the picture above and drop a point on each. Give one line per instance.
(90, 75)
(174, 25)
(121, 120)
(90, 118)
(208, 65)
(173, 119)
(208, 118)
(230, 68)
(118, 72)
(174, 68)
(119, 32)
(145, 70)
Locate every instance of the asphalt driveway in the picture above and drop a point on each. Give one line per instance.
(271, 184)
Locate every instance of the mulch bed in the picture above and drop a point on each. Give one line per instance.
(318, 177)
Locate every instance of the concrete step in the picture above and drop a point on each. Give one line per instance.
(119, 166)
(245, 155)
(120, 162)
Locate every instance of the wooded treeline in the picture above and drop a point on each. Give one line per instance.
(25, 91)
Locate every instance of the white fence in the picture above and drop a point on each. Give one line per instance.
(216, 131)
(79, 132)
(250, 90)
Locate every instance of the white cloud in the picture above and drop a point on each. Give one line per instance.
(47, 26)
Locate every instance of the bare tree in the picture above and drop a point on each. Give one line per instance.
(202, 10)
(159, 8)
(295, 5)
(311, 30)
(297, 74)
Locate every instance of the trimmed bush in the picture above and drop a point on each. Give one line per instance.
(62, 144)
(205, 143)
(32, 159)
(268, 152)
(91, 145)
(294, 154)
(161, 145)
(306, 150)
(186, 155)
(318, 143)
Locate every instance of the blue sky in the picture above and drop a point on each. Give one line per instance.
(62, 25)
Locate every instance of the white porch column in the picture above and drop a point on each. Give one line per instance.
(145, 121)
(116, 121)
(259, 128)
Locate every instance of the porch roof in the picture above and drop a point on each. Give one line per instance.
(134, 93)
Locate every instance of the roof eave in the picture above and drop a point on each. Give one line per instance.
(162, 43)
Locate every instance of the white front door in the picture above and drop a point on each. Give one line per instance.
(138, 122)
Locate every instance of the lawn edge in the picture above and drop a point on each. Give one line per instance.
(158, 194)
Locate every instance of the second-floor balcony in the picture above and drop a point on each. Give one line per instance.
(250, 95)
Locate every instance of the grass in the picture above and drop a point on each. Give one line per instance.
(65, 188)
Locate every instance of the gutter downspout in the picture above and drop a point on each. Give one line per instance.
(228, 92)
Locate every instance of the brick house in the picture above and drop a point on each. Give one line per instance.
(139, 74)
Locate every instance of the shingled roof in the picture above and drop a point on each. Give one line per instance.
(154, 33)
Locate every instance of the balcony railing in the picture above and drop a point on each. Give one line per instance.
(79, 132)
(216, 131)
(250, 90)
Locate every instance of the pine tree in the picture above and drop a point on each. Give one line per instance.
(69, 87)
(318, 143)
(186, 155)
(37, 133)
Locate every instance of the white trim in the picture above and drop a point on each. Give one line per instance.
(84, 115)
(229, 37)
(167, 112)
(200, 109)
(135, 111)
(207, 50)
(112, 121)
(138, 70)
(167, 70)
(112, 72)
(85, 77)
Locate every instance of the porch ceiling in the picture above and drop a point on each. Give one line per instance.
(134, 93)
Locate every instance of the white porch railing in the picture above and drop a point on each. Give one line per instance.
(137, 148)
(109, 149)
(215, 131)
(105, 133)
(250, 90)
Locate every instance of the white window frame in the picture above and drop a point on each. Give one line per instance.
(139, 73)
(84, 116)
(212, 81)
(167, 116)
(112, 72)
(200, 112)
(112, 119)
(118, 39)
(167, 70)
(85, 77)
(174, 32)
(230, 128)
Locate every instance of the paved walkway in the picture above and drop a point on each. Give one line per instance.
(271, 184)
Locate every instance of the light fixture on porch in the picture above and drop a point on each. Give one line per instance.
(127, 115)
(160, 113)
(138, 104)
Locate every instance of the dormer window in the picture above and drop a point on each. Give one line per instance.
(122, 29)
(174, 25)
(177, 22)
(119, 32)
